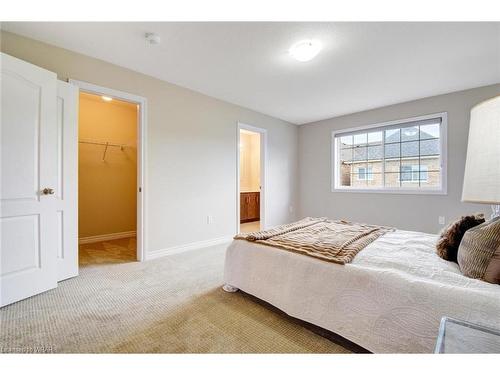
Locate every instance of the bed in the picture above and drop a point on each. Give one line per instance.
(389, 299)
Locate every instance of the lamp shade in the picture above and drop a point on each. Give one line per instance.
(482, 168)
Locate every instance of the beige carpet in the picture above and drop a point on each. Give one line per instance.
(169, 305)
(252, 226)
(116, 251)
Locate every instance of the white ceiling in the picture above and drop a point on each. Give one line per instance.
(361, 66)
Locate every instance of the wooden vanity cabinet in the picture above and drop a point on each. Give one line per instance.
(249, 207)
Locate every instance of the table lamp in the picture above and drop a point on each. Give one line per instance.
(482, 167)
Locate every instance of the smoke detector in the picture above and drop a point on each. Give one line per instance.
(153, 38)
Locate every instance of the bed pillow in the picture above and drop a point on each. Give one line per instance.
(479, 252)
(450, 237)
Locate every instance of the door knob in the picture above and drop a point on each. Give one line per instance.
(48, 191)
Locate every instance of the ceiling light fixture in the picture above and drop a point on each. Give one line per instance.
(305, 50)
(106, 98)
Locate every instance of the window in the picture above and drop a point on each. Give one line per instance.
(399, 156)
(365, 173)
(413, 173)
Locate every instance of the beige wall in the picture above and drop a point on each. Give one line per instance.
(249, 161)
(106, 189)
(191, 149)
(406, 211)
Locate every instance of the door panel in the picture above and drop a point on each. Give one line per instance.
(20, 174)
(29, 164)
(254, 206)
(67, 180)
(250, 208)
(21, 233)
(243, 207)
(257, 204)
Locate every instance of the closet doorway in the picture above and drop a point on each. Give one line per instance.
(110, 175)
(251, 178)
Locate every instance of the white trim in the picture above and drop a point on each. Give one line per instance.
(188, 247)
(106, 237)
(443, 115)
(443, 190)
(141, 154)
(263, 172)
(401, 190)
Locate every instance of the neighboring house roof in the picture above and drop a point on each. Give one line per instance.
(394, 147)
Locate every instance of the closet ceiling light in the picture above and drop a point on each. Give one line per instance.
(106, 98)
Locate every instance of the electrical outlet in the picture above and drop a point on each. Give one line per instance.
(210, 219)
(441, 220)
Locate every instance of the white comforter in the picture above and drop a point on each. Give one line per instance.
(390, 299)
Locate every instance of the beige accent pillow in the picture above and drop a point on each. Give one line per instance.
(479, 252)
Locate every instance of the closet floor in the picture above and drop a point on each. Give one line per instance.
(122, 250)
(253, 226)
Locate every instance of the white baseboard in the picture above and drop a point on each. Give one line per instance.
(188, 247)
(106, 237)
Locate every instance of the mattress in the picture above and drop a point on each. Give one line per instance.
(390, 299)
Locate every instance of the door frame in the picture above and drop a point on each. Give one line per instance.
(263, 172)
(141, 153)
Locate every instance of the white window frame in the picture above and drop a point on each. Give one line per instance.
(443, 159)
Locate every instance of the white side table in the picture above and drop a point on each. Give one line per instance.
(458, 336)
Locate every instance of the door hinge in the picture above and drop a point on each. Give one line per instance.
(140, 189)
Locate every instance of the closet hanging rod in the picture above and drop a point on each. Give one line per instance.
(121, 145)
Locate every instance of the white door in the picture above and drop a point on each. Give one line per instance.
(29, 185)
(67, 180)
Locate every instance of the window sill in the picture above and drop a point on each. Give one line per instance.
(392, 191)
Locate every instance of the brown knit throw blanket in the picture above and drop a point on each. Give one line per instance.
(332, 241)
